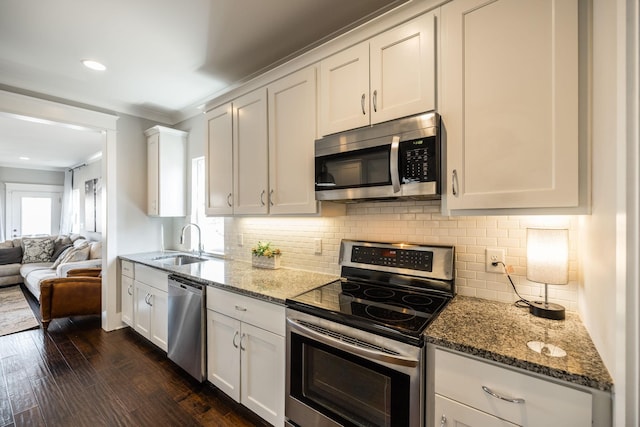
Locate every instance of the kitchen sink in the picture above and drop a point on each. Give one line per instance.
(180, 259)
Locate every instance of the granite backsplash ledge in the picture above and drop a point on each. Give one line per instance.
(500, 332)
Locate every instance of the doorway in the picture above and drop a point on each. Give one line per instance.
(33, 209)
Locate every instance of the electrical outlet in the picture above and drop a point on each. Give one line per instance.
(494, 255)
(317, 245)
(240, 239)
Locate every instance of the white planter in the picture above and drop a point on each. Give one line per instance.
(272, 263)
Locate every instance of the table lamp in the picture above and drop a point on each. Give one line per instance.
(548, 263)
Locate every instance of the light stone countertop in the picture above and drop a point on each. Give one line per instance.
(499, 331)
(240, 277)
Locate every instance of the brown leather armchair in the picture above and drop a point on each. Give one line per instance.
(80, 293)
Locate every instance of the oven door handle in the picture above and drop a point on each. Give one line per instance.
(353, 349)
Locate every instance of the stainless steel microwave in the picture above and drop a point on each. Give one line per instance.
(391, 160)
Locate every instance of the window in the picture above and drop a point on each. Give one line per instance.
(212, 228)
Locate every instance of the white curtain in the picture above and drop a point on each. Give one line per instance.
(66, 214)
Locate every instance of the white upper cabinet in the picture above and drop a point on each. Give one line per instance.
(509, 103)
(166, 171)
(250, 151)
(219, 161)
(292, 132)
(389, 76)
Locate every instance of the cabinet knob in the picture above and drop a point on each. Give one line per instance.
(234, 339)
(375, 101)
(454, 182)
(362, 104)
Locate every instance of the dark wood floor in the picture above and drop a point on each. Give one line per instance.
(76, 374)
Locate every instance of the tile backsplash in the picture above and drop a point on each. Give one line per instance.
(416, 222)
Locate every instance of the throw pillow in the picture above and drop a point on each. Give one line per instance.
(72, 255)
(59, 250)
(11, 255)
(96, 250)
(7, 244)
(37, 250)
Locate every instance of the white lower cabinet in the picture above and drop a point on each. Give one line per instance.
(126, 291)
(245, 361)
(470, 392)
(449, 413)
(150, 304)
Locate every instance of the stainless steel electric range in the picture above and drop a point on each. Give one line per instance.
(355, 348)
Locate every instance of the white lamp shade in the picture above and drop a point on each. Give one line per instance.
(548, 255)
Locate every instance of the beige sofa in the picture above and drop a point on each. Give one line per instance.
(68, 252)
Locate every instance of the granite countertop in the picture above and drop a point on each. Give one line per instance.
(500, 332)
(238, 276)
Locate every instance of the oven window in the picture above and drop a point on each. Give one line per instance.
(347, 388)
(360, 168)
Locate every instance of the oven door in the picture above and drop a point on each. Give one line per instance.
(341, 376)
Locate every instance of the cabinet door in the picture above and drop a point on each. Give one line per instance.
(172, 175)
(449, 413)
(509, 86)
(292, 132)
(153, 178)
(126, 289)
(142, 309)
(219, 161)
(223, 358)
(158, 330)
(402, 64)
(263, 378)
(344, 90)
(250, 186)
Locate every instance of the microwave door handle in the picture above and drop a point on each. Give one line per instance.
(351, 348)
(393, 164)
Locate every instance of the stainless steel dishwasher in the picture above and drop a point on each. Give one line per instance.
(187, 326)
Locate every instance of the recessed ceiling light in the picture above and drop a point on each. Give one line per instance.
(23, 158)
(93, 65)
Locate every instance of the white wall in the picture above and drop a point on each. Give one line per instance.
(597, 293)
(136, 231)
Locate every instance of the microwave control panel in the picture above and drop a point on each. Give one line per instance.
(418, 160)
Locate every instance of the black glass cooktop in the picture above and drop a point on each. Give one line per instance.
(394, 311)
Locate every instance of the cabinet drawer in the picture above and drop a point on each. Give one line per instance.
(262, 314)
(152, 277)
(545, 403)
(127, 268)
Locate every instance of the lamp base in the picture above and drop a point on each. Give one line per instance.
(547, 310)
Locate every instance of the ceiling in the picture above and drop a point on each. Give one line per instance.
(164, 58)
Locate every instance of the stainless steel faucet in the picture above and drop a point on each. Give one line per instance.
(199, 236)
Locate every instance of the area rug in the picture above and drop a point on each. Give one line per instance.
(15, 313)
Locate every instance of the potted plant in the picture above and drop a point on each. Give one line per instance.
(264, 256)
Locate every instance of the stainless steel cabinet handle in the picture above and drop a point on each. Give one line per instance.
(241, 339)
(497, 396)
(229, 200)
(234, 339)
(262, 197)
(443, 421)
(239, 308)
(454, 182)
(375, 101)
(129, 290)
(150, 298)
(362, 104)
(393, 164)
(271, 198)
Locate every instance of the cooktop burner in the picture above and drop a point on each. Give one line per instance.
(394, 290)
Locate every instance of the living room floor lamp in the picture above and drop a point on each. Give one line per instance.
(548, 263)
